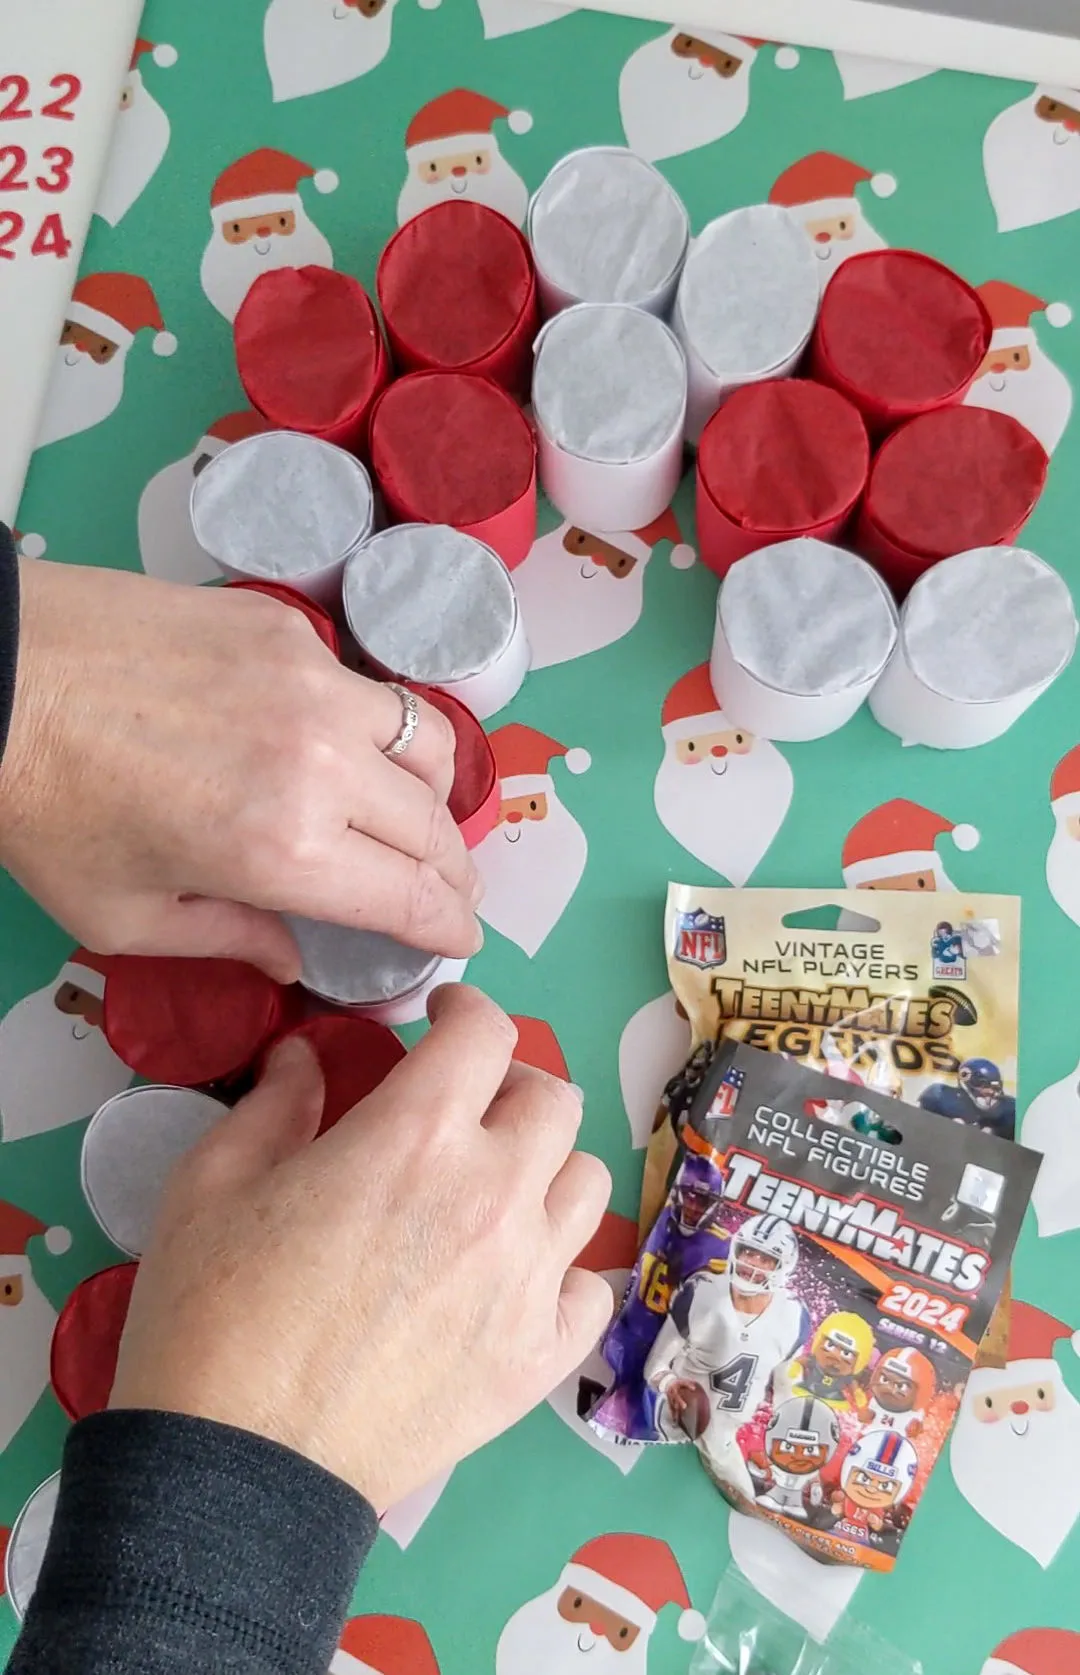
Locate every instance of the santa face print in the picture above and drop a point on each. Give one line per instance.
(1015, 1454)
(140, 141)
(244, 246)
(679, 92)
(531, 864)
(1031, 156)
(27, 1323)
(1063, 865)
(837, 233)
(653, 1047)
(474, 173)
(55, 1064)
(508, 17)
(1020, 380)
(167, 544)
(87, 383)
(567, 1629)
(722, 793)
(579, 592)
(312, 45)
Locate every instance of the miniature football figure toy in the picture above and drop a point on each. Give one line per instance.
(839, 1351)
(899, 1389)
(877, 1473)
(725, 1336)
(979, 1098)
(801, 1437)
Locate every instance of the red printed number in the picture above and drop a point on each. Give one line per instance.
(12, 169)
(11, 226)
(60, 107)
(59, 162)
(910, 1304)
(51, 238)
(14, 91)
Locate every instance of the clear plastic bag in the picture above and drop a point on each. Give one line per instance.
(746, 1635)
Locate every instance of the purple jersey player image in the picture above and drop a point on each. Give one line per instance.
(978, 1098)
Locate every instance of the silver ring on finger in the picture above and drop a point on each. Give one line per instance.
(410, 720)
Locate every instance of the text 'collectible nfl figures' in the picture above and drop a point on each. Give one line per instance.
(810, 1302)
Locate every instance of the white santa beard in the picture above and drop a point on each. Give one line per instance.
(26, 1332)
(1063, 872)
(167, 543)
(1039, 396)
(862, 76)
(564, 1398)
(530, 871)
(833, 254)
(537, 1641)
(81, 393)
(508, 17)
(502, 188)
(653, 1046)
(1051, 1126)
(1030, 176)
(312, 45)
(54, 1068)
(568, 614)
(667, 108)
(727, 821)
(229, 270)
(140, 141)
(1026, 1487)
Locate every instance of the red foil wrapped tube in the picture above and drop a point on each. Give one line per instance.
(457, 289)
(449, 447)
(320, 620)
(899, 334)
(474, 795)
(86, 1341)
(355, 1056)
(190, 1022)
(944, 483)
(778, 459)
(310, 354)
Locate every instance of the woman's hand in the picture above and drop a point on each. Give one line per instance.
(390, 1296)
(185, 763)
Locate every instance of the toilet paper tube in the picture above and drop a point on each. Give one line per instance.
(283, 507)
(605, 226)
(452, 448)
(803, 631)
(609, 401)
(426, 603)
(310, 354)
(746, 306)
(982, 635)
(457, 290)
(370, 974)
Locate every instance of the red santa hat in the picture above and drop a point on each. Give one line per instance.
(614, 1245)
(898, 836)
(690, 703)
(523, 757)
(17, 1226)
(1011, 308)
(538, 1045)
(826, 184)
(163, 55)
(86, 970)
(458, 121)
(235, 427)
(384, 1646)
(117, 306)
(1036, 1651)
(634, 1576)
(261, 182)
(1065, 784)
(28, 546)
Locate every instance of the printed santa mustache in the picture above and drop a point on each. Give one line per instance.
(140, 141)
(578, 599)
(1038, 395)
(498, 186)
(82, 392)
(1031, 157)
(229, 270)
(1020, 1470)
(167, 545)
(55, 1067)
(509, 17)
(672, 104)
(26, 1331)
(538, 1641)
(1052, 1126)
(1063, 868)
(530, 870)
(725, 809)
(312, 45)
(654, 1045)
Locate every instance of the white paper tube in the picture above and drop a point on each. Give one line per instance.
(746, 306)
(283, 507)
(982, 635)
(609, 400)
(605, 226)
(369, 973)
(129, 1148)
(427, 603)
(803, 630)
(26, 1546)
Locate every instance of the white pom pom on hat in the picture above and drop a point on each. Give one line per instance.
(164, 344)
(883, 185)
(965, 837)
(519, 122)
(1058, 314)
(57, 1241)
(165, 55)
(691, 1625)
(325, 180)
(578, 760)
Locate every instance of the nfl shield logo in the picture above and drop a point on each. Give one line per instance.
(700, 939)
